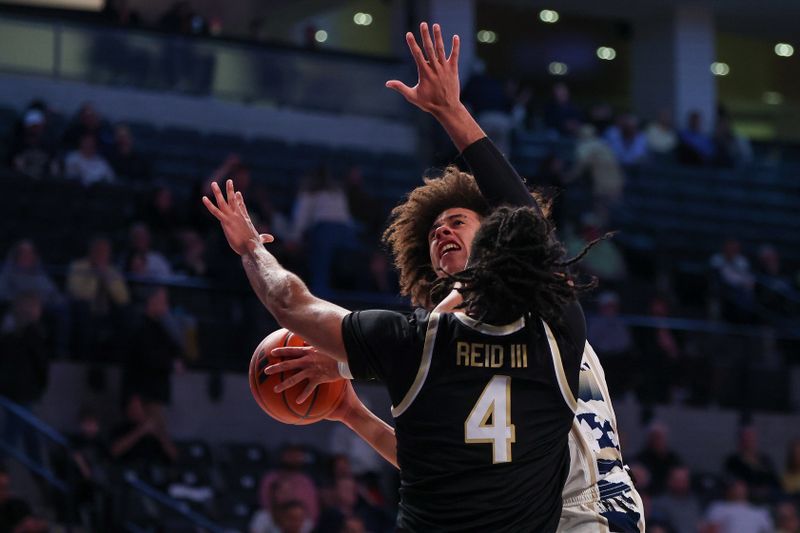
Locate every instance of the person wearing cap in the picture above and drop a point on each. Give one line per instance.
(31, 154)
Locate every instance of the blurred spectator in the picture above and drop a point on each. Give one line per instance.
(347, 503)
(353, 524)
(86, 165)
(786, 519)
(155, 264)
(22, 271)
(736, 514)
(142, 439)
(382, 277)
(611, 338)
(16, 515)
(593, 157)
(732, 283)
(94, 281)
(601, 116)
(321, 216)
(490, 104)
(119, 13)
(604, 260)
(193, 260)
(730, 149)
(127, 162)
(291, 517)
(301, 487)
(89, 122)
(365, 208)
(791, 475)
(753, 467)
(774, 291)
(696, 147)
(100, 294)
(24, 362)
(264, 521)
(661, 135)
(678, 506)
(626, 141)
(163, 219)
(31, 153)
(657, 457)
(662, 361)
(560, 114)
(362, 458)
(155, 348)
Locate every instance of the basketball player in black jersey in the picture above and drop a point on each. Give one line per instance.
(481, 397)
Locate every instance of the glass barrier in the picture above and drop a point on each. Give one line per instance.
(226, 69)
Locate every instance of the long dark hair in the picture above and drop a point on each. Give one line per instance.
(517, 267)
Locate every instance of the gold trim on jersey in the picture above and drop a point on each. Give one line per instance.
(561, 376)
(424, 366)
(488, 328)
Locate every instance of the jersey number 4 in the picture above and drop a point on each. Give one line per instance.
(494, 403)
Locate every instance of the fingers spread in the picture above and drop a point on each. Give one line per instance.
(439, 43)
(221, 203)
(266, 238)
(401, 88)
(212, 208)
(427, 44)
(453, 59)
(416, 53)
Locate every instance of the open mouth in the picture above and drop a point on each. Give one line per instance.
(447, 248)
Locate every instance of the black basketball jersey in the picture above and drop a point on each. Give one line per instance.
(482, 418)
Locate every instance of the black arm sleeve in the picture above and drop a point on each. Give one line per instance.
(572, 354)
(498, 181)
(385, 345)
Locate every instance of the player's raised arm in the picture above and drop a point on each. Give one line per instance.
(284, 294)
(438, 92)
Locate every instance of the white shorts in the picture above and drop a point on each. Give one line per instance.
(612, 506)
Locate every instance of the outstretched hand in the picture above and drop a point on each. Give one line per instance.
(438, 87)
(232, 215)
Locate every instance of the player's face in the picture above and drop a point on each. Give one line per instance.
(450, 239)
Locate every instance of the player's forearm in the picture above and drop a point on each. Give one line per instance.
(460, 125)
(374, 431)
(288, 299)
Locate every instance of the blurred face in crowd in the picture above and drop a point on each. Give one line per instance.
(26, 257)
(657, 438)
(27, 309)
(353, 525)
(88, 117)
(163, 200)
(659, 308)
(346, 492)
(665, 118)
(609, 305)
(561, 93)
(786, 518)
(748, 440)
(291, 517)
(770, 260)
(90, 427)
(140, 238)
(450, 239)
(100, 253)
(88, 146)
(158, 303)
(731, 249)
(679, 482)
(123, 140)
(135, 410)
(341, 467)
(293, 458)
(737, 492)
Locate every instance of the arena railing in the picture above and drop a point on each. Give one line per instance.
(36, 435)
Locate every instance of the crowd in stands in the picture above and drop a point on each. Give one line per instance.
(113, 299)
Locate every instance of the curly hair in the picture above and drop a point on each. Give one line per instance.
(517, 267)
(407, 234)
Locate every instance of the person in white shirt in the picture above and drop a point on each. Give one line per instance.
(736, 514)
(86, 165)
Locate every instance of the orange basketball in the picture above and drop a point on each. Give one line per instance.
(282, 405)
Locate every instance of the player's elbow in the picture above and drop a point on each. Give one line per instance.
(289, 303)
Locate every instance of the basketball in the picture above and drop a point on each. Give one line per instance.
(282, 406)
